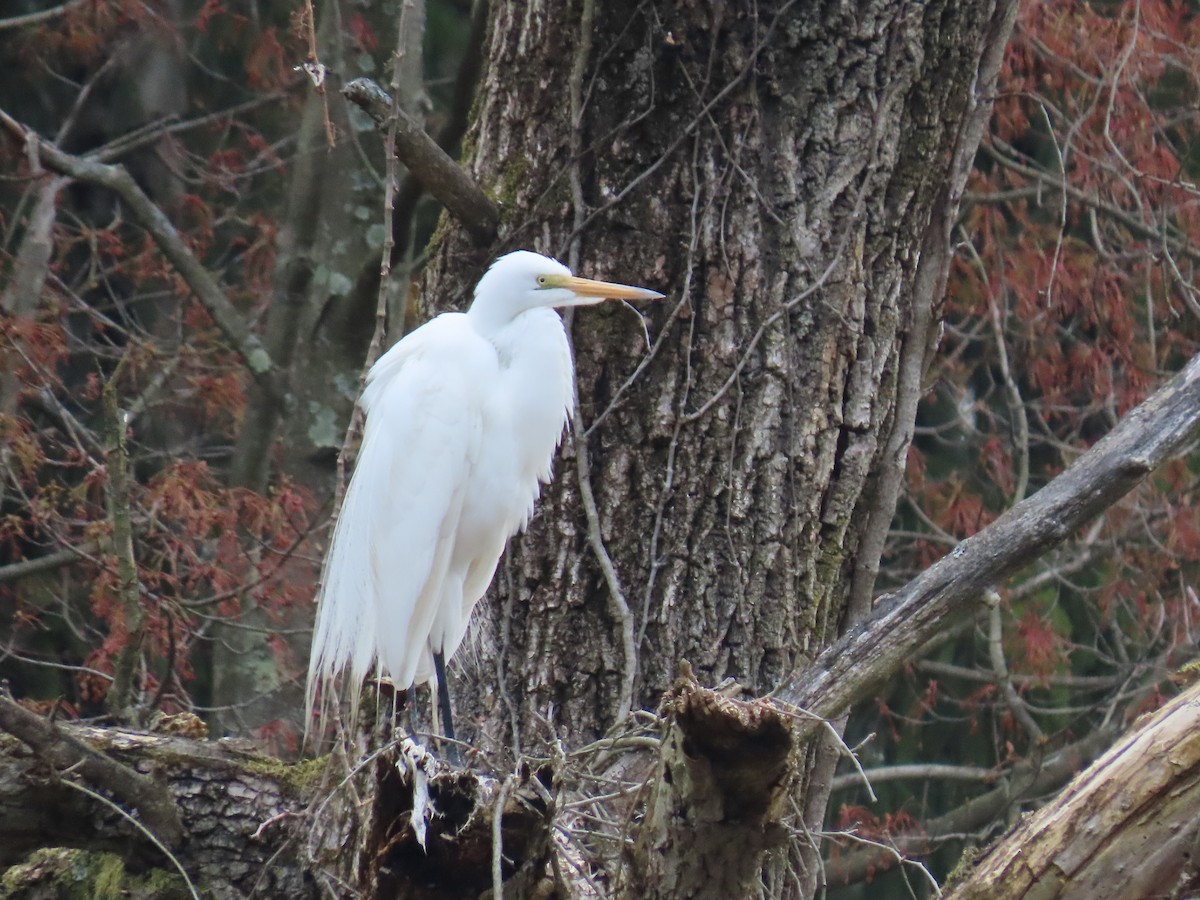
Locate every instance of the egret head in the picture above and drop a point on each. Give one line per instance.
(522, 280)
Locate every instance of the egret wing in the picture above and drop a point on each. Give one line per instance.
(392, 542)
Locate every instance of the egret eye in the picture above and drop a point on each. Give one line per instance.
(541, 280)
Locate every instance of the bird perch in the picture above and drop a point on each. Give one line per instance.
(429, 163)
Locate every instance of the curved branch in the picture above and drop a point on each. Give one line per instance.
(954, 587)
(441, 175)
(169, 241)
(40, 17)
(917, 772)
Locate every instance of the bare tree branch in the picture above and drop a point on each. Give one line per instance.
(918, 771)
(1168, 235)
(24, 290)
(159, 227)
(63, 751)
(37, 18)
(441, 175)
(363, 299)
(1026, 780)
(954, 587)
(48, 563)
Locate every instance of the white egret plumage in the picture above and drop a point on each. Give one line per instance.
(462, 420)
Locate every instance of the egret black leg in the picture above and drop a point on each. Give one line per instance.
(443, 702)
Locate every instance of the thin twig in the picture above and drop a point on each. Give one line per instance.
(1000, 667)
(923, 771)
(498, 840)
(119, 700)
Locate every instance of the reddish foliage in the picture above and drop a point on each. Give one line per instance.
(266, 68)
(115, 312)
(361, 33)
(1040, 650)
(882, 831)
(1064, 309)
(207, 12)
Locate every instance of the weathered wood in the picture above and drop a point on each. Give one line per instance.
(63, 750)
(954, 587)
(1125, 827)
(249, 825)
(717, 798)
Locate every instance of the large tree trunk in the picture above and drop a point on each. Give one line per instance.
(788, 173)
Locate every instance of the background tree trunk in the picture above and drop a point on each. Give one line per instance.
(323, 241)
(792, 171)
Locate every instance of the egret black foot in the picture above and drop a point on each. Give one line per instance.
(446, 713)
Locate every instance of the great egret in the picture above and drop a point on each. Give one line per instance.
(463, 417)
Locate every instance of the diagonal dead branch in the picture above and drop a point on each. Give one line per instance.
(27, 568)
(24, 290)
(441, 175)
(159, 227)
(954, 588)
(40, 17)
(63, 751)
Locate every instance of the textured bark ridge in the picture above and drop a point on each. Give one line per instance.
(1125, 827)
(790, 171)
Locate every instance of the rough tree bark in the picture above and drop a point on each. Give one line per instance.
(788, 172)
